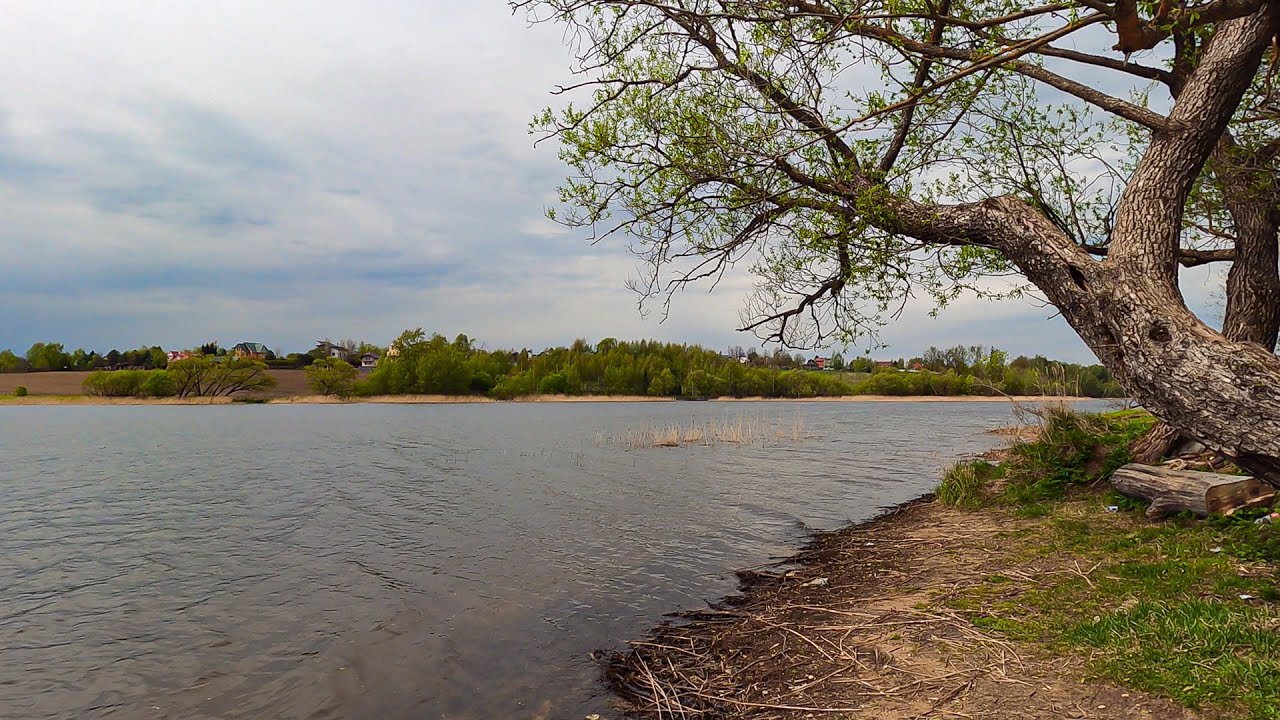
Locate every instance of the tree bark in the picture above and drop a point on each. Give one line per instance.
(1170, 491)
(1155, 444)
(1129, 310)
(1253, 283)
(1223, 393)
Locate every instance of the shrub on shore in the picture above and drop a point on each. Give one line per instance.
(159, 384)
(130, 383)
(115, 383)
(1071, 451)
(20, 391)
(964, 484)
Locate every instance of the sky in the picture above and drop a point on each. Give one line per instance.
(282, 172)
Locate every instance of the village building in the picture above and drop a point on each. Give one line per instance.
(250, 351)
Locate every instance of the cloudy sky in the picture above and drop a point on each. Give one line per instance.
(172, 173)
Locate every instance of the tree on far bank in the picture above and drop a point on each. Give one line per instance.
(978, 146)
(48, 356)
(11, 363)
(332, 376)
(204, 376)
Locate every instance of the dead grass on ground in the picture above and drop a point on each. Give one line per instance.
(859, 628)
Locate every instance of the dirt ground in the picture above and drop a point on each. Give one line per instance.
(858, 629)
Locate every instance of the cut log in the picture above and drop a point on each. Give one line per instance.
(1171, 491)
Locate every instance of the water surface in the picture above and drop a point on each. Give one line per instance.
(383, 561)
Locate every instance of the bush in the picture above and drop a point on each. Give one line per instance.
(513, 386)
(1074, 449)
(159, 384)
(554, 384)
(115, 383)
(20, 391)
(482, 382)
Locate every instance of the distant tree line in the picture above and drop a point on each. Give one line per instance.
(416, 363)
(53, 357)
(49, 357)
(432, 365)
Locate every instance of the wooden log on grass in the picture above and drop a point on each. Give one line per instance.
(1170, 491)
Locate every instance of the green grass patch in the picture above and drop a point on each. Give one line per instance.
(964, 485)
(1188, 609)
(1074, 451)
(1153, 607)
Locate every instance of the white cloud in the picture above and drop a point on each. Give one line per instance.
(176, 172)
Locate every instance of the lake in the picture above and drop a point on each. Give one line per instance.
(404, 561)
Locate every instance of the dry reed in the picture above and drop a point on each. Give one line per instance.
(742, 429)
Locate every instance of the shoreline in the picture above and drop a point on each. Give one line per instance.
(856, 625)
(51, 400)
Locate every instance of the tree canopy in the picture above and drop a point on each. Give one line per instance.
(855, 153)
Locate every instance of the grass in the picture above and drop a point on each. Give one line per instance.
(965, 484)
(45, 398)
(1072, 452)
(1185, 608)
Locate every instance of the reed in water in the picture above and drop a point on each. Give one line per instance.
(742, 429)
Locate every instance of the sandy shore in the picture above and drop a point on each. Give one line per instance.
(469, 399)
(858, 625)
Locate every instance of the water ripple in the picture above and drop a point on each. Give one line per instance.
(398, 561)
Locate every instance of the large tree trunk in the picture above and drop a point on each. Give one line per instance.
(1225, 394)
(1253, 283)
(1128, 308)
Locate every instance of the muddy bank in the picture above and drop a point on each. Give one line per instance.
(857, 626)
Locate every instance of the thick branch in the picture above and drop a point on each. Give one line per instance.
(1135, 34)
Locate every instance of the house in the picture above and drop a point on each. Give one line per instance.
(250, 351)
(332, 350)
(368, 361)
(176, 355)
(817, 363)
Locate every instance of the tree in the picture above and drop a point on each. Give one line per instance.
(331, 376)
(48, 356)
(718, 131)
(836, 362)
(203, 376)
(663, 384)
(11, 363)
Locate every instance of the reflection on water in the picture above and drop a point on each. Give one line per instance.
(399, 561)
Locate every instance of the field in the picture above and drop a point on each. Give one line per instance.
(290, 383)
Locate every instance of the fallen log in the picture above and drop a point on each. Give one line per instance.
(1170, 491)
